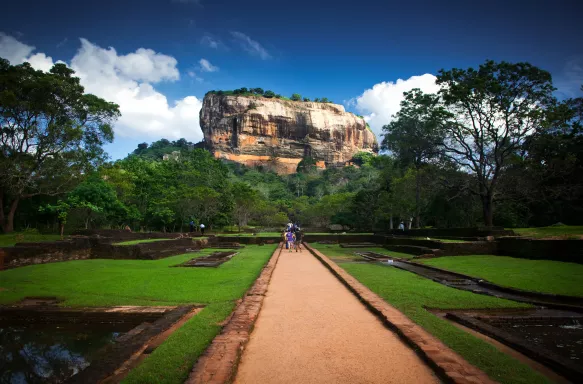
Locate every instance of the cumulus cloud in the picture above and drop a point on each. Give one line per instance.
(251, 46)
(126, 80)
(379, 103)
(206, 66)
(13, 50)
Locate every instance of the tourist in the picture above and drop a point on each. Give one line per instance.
(402, 226)
(283, 236)
(191, 226)
(299, 236)
(290, 237)
(202, 229)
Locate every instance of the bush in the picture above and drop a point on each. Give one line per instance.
(269, 94)
(296, 97)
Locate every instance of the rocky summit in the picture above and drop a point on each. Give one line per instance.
(278, 133)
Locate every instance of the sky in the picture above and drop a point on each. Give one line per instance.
(157, 58)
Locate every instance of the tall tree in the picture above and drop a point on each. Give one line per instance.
(492, 111)
(414, 136)
(51, 133)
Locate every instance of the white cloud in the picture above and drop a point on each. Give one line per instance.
(13, 50)
(126, 80)
(195, 76)
(379, 103)
(251, 46)
(206, 66)
(211, 41)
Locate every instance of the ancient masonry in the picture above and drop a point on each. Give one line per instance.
(280, 133)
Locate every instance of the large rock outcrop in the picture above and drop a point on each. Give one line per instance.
(280, 133)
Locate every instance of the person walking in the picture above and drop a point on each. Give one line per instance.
(290, 237)
(191, 226)
(299, 237)
(202, 229)
(402, 226)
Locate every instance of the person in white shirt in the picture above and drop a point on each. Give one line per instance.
(202, 228)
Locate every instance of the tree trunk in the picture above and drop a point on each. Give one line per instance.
(391, 221)
(488, 209)
(7, 221)
(417, 199)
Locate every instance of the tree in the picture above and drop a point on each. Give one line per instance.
(269, 94)
(325, 100)
(317, 100)
(493, 110)
(414, 135)
(306, 99)
(362, 158)
(245, 199)
(51, 133)
(258, 91)
(296, 97)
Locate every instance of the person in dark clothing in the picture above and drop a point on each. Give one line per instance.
(299, 238)
(191, 226)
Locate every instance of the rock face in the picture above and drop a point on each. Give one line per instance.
(280, 133)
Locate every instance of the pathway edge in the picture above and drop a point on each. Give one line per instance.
(218, 363)
(444, 361)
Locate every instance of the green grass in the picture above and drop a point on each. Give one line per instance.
(411, 294)
(337, 252)
(534, 275)
(8, 240)
(148, 282)
(140, 241)
(568, 231)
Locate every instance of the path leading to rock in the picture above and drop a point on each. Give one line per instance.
(311, 329)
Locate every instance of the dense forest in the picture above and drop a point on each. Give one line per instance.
(493, 147)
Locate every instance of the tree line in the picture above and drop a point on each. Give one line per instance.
(268, 94)
(492, 147)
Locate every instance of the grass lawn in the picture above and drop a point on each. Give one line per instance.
(534, 275)
(337, 252)
(574, 231)
(140, 241)
(8, 240)
(411, 294)
(148, 282)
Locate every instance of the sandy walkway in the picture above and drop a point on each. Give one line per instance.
(311, 329)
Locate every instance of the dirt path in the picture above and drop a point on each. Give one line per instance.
(311, 329)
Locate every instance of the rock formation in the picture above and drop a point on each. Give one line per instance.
(267, 131)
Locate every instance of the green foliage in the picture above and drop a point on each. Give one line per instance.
(269, 94)
(363, 158)
(296, 97)
(306, 99)
(306, 165)
(52, 133)
(325, 100)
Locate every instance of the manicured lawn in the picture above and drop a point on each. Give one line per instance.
(411, 294)
(574, 231)
(337, 252)
(140, 241)
(8, 240)
(534, 275)
(148, 282)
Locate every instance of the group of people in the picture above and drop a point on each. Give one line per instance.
(293, 237)
(201, 226)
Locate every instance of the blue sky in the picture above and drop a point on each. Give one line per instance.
(351, 52)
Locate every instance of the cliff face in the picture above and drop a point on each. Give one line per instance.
(279, 133)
